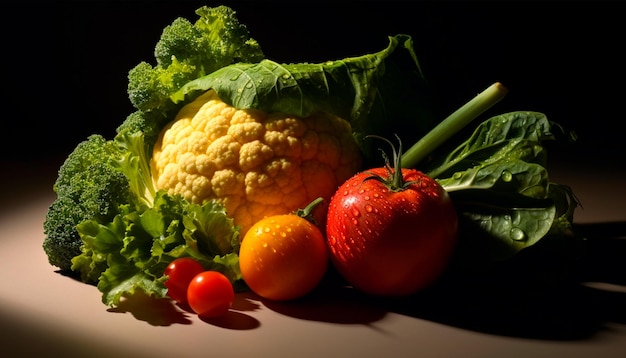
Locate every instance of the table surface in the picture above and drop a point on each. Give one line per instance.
(45, 312)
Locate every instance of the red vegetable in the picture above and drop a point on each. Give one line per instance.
(210, 294)
(391, 231)
(180, 272)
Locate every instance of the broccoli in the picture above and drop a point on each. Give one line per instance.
(188, 51)
(144, 123)
(89, 186)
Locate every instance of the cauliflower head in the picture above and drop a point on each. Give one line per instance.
(255, 163)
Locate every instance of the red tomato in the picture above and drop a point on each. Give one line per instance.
(391, 242)
(180, 272)
(210, 294)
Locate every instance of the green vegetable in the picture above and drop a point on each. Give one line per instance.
(89, 186)
(499, 182)
(132, 251)
(452, 124)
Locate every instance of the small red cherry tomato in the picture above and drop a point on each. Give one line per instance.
(180, 272)
(210, 294)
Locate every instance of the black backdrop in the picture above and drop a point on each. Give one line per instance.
(65, 63)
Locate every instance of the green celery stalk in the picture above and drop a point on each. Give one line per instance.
(452, 124)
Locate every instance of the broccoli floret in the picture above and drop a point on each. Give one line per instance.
(148, 123)
(89, 186)
(188, 51)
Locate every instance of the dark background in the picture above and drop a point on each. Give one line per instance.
(65, 63)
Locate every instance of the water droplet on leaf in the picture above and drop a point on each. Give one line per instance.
(506, 176)
(517, 234)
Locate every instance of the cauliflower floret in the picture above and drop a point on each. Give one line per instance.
(255, 163)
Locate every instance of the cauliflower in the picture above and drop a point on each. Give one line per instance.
(255, 163)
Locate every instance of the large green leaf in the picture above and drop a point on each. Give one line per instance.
(377, 93)
(500, 185)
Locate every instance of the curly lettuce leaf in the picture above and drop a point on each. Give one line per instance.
(132, 251)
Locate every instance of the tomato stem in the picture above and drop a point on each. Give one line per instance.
(307, 212)
(395, 179)
(452, 124)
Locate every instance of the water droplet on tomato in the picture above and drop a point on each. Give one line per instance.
(355, 221)
(369, 208)
(355, 212)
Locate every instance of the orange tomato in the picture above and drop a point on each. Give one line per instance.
(283, 257)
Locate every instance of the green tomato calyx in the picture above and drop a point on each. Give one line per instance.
(307, 212)
(394, 181)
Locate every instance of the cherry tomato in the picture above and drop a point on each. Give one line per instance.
(210, 294)
(391, 232)
(180, 272)
(283, 257)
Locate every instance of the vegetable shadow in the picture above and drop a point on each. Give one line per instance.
(156, 312)
(543, 293)
(333, 302)
(165, 312)
(235, 318)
